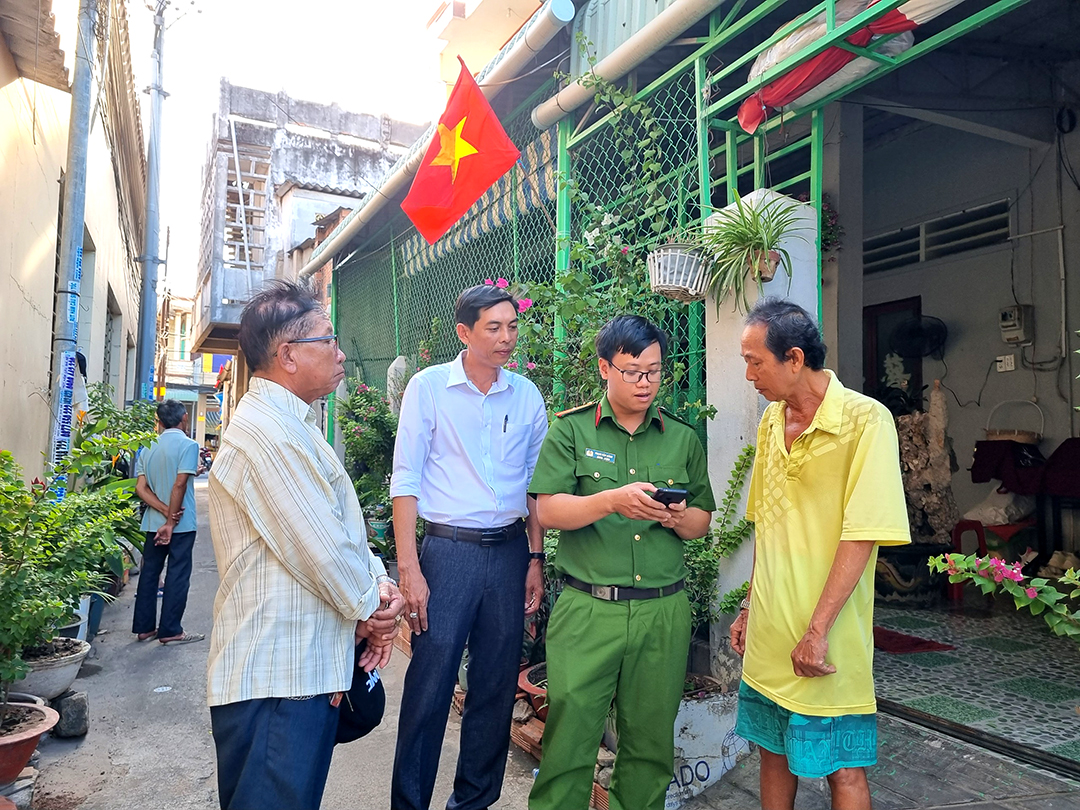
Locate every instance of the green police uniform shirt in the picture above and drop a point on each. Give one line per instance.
(586, 451)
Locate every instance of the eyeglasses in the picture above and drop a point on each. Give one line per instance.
(634, 377)
(318, 339)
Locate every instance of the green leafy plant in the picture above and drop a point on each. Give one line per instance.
(369, 427)
(54, 549)
(830, 231)
(1040, 596)
(607, 274)
(703, 555)
(739, 241)
(730, 603)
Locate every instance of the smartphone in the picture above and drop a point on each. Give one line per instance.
(670, 496)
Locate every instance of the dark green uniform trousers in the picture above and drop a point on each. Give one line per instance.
(635, 651)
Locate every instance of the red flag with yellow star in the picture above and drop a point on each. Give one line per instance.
(469, 152)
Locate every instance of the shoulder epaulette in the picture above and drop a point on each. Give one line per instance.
(578, 409)
(674, 416)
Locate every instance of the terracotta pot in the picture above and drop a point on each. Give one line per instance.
(16, 749)
(49, 679)
(765, 266)
(527, 682)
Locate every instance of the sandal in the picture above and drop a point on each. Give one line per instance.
(147, 636)
(185, 638)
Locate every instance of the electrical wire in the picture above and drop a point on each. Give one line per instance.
(978, 399)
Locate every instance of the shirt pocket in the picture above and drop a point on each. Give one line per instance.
(670, 476)
(514, 443)
(596, 476)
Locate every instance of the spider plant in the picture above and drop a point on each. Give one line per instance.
(739, 242)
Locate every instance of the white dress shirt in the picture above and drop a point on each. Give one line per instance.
(292, 553)
(466, 456)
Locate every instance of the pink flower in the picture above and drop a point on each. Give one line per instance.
(502, 283)
(530, 366)
(488, 281)
(512, 364)
(524, 304)
(625, 250)
(1031, 592)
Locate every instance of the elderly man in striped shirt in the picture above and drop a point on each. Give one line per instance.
(298, 582)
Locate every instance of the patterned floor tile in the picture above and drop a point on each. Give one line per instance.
(998, 644)
(895, 622)
(931, 659)
(1069, 749)
(1041, 690)
(959, 711)
(1004, 677)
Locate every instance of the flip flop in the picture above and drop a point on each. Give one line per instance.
(147, 636)
(186, 638)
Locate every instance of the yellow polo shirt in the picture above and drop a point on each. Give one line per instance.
(840, 482)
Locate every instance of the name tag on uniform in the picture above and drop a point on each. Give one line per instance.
(600, 455)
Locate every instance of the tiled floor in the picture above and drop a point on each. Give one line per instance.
(1008, 676)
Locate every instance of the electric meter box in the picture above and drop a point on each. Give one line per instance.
(1016, 322)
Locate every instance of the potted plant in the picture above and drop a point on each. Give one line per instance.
(368, 428)
(745, 240)
(57, 539)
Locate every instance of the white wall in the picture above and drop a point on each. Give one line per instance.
(31, 160)
(938, 171)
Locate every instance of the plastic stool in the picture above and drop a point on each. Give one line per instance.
(955, 590)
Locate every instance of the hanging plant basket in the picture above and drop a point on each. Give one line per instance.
(765, 264)
(677, 271)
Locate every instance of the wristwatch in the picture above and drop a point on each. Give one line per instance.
(744, 604)
(537, 555)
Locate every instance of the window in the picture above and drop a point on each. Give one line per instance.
(954, 233)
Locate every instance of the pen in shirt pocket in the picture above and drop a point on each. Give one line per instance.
(505, 420)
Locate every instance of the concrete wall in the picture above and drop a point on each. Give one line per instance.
(31, 159)
(945, 170)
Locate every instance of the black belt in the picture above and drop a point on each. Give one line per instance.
(614, 593)
(484, 537)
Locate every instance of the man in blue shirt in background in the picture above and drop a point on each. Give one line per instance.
(165, 474)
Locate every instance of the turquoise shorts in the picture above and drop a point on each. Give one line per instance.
(814, 746)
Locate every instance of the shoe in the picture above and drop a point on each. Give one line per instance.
(184, 638)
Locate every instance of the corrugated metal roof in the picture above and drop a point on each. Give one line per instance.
(607, 24)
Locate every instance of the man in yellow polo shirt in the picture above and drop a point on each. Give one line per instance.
(824, 494)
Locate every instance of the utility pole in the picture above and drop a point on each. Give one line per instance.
(69, 281)
(147, 350)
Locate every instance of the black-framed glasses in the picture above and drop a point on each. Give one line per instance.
(317, 339)
(634, 377)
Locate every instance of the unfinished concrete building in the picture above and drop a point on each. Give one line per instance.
(275, 166)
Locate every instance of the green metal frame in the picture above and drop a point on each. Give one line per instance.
(717, 115)
(331, 400)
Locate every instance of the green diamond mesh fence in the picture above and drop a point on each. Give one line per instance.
(395, 295)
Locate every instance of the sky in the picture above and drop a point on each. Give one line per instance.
(367, 55)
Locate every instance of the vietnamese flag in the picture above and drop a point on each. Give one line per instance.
(469, 152)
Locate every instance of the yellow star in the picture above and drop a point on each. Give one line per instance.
(452, 148)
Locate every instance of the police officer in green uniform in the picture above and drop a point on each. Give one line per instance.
(621, 627)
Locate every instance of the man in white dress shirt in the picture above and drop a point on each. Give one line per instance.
(468, 438)
(298, 582)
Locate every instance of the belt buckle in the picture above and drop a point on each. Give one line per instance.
(607, 592)
(490, 538)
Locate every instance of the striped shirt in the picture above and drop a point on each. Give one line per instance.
(296, 571)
